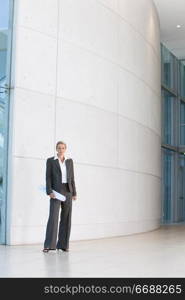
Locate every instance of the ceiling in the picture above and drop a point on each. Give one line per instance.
(171, 14)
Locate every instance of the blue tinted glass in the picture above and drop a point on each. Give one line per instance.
(4, 14)
(5, 50)
(182, 79)
(181, 188)
(168, 118)
(169, 64)
(168, 179)
(182, 123)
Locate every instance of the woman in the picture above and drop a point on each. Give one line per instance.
(60, 178)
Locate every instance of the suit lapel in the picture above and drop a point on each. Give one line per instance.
(56, 161)
(67, 163)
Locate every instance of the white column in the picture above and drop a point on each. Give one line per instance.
(87, 72)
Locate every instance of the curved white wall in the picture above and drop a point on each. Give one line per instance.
(87, 72)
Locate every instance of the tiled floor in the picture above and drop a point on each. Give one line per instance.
(159, 253)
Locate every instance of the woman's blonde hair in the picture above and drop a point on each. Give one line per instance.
(60, 142)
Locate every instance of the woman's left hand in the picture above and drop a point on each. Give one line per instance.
(74, 198)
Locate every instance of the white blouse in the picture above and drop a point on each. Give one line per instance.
(63, 168)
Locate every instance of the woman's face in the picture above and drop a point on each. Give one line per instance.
(61, 148)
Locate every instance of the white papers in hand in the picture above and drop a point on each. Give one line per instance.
(59, 196)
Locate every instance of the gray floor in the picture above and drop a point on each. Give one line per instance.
(159, 253)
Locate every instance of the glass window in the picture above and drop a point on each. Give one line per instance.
(182, 79)
(169, 66)
(168, 186)
(182, 123)
(169, 106)
(181, 188)
(5, 51)
(173, 136)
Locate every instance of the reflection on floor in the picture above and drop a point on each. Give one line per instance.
(159, 253)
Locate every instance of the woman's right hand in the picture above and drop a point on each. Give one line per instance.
(52, 195)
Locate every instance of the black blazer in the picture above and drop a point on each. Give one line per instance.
(54, 176)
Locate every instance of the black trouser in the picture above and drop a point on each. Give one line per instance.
(65, 221)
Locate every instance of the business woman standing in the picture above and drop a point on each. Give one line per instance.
(59, 177)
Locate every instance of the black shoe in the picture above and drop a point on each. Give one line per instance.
(63, 249)
(48, 249)
(45, 250)
(67, 250)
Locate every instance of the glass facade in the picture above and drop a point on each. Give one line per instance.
(169, 63)
(6, 16)
(169, 107)
(168, 191)
(182, 79)
(173, 137)
(181, 188)
(182, 123)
